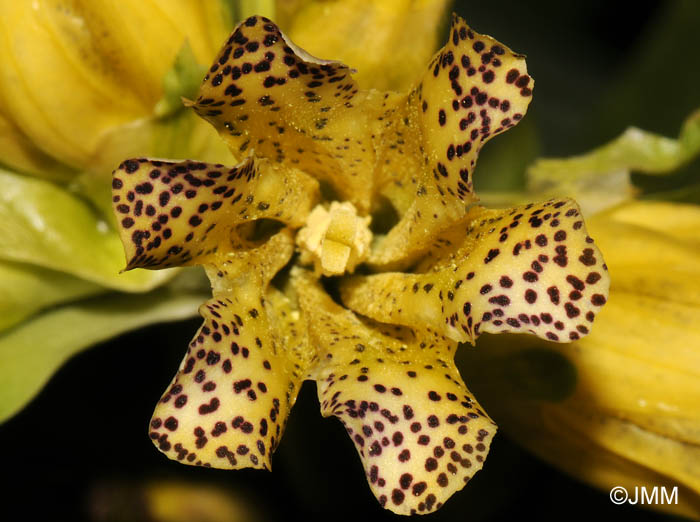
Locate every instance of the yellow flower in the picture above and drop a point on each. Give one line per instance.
(323, 158)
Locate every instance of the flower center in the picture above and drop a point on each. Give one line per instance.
(335, 239)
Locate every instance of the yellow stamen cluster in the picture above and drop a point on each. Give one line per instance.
(336, 240)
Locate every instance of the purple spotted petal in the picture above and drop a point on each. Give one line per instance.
(265, 93)
(529, 269)
(229, 402)
(180, 213)
(474, 89)
(420, 433)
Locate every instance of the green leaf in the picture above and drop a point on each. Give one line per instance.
(182, 80)
(601, 178)
(31, 352)
(45, 225)
(27, 289)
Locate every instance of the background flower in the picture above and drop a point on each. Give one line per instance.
(598, 71)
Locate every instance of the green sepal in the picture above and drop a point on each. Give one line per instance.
(181, 81)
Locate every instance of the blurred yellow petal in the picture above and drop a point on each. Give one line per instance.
(194, 502)
(73, 69)
(19, 153)
(387, 42)
(672, 220)
(169, 501)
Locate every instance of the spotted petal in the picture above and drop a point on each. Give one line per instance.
(529, 269)
(474, 89)
(229, 402)
(420, 433)
(263, 92)
(178, 213)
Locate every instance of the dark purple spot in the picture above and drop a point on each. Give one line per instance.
(598, 299)
(530, 296)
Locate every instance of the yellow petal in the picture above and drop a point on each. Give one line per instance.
(653, 249)
(388, 42)
(530, 269)
(474, 89)
(650, 379)
(672, 460)
(229, 402)
(674, 220)
(177, 213)
(264, 93)
(420, 433)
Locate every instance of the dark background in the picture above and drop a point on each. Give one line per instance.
(80, 449)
